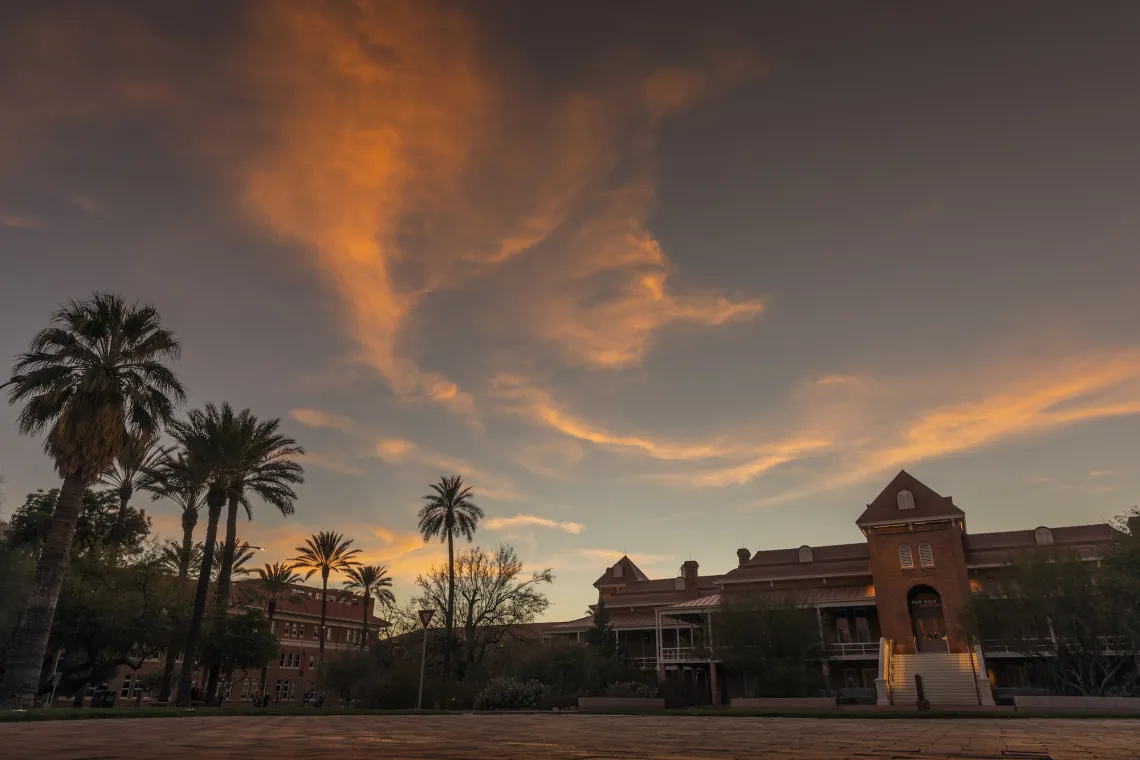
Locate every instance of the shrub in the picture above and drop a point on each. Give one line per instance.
(504, 693)
(627, 689)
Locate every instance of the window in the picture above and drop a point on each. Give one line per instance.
(1043, 536)
(805, 554)
(925, 555)
(125, 691)
(862, 628)
(906, 559)
(618, 570)
(843, 629)
(906, 500)
(312, 663)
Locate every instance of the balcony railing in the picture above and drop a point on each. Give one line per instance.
(680, 654)
(853, 649)
(1046, 647)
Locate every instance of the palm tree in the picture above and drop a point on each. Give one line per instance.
(327, 552)
(97, 373)
(449, 512)
(177, 478)
(262, 463)
(276, 580)
(174, 558)
(237, 454)
(174, 478)
(130, 472)
(369, 581)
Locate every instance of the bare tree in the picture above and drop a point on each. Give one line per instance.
(493, 597)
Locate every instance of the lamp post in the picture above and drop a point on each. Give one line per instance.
(425, 618)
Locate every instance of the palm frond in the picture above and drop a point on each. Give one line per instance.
(94, 376)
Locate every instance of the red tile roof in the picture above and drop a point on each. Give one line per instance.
(1000, 548)
(306, 600)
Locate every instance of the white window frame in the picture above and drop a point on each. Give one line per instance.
(905, 500)
(925, 555)
(906, 557)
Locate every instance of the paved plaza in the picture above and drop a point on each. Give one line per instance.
(558, 737)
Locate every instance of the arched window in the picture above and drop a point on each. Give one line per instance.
(906, 559)
(805, 554)
(925, 555)
(618, 570)
(1043, 536)
(906, 500)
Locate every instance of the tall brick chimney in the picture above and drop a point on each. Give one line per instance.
(742, 556)
(689, 573)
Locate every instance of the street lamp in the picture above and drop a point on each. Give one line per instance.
(425, 618)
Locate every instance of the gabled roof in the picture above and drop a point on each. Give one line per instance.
(630, 573)
(928, 504)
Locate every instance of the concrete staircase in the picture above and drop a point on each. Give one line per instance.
(947, 679)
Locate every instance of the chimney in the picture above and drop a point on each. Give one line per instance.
(689, 573)
(743, 555)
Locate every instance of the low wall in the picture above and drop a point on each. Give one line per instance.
(1077, 704)
(621, 703)
(784, 703)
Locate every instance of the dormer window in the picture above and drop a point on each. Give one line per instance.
(618, 570)
(805, 554)
(906, 500)
(906, 557)
(1043, 536)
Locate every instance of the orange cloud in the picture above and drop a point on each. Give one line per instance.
(397, 155)
(498, 523)
(318, 419)
(537, 404)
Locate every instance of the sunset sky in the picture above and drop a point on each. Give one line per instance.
(657, 278)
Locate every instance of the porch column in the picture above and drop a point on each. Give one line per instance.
(660, 660)
(712, 685)
(982, 678)
(882, 696)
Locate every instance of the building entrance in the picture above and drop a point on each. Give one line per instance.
(927, 620)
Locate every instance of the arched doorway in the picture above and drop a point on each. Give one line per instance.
(927, 620)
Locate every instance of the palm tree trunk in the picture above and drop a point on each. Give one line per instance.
(190, 650)
(321, 646)
(22, 678)
(450, 605)
(364, 619)
(116, 538)
(223, 592)
(189, 522)
(265, 670)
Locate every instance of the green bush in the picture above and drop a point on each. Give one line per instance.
(504, 693)
(628, 689)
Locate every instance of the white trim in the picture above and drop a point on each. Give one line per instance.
(909, 521)
(797, 577)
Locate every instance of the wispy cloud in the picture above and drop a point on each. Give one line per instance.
(1100, 473)
(318, 419)
(398, 450)
(18, 221)
(499, 523)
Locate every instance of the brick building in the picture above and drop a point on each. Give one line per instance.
(296, 624)
(888, 607)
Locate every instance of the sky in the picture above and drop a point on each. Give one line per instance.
(655, 278)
